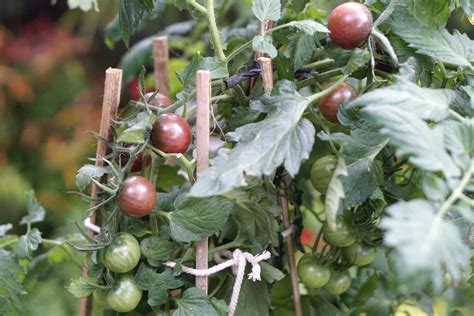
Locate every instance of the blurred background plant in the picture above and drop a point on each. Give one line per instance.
(52, 63)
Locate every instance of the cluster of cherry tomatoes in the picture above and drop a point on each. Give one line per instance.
(350, 25)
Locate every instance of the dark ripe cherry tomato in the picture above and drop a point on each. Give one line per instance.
(159, 99)
(138, 163)
(122, 255)
(311, 273)
(330, 103)
(171, 134)
(124, 295)
(359, 255)
(322, 171)
(342, 236)
(137, 197)
(339, 282)
(134, 89)
(350, 24)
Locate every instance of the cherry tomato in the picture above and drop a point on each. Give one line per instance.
(342, 236)
(100, 297)
(311, 273)
(138, 163)
(350, 24)
(171, 133)
(339, 282)
(124, 295)
(137, 197)
(134, 89)
(359, 255)
(307, 237)
(321, 172)
(330, 103)
(122, 255)
(159, 99)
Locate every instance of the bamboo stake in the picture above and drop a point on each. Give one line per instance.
(161, 64)
(267, 76)
(110, 104)
(203, 98)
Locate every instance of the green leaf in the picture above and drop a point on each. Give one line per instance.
(256, 221)
(270, 273)
(87, 173)
(194, 302)
(220, 306)
(455, 49)
(424, 239)
(459, 141)
(188, 76)
(36, 212)
(464, 102)
(304, 46)
(4, 229)
(156, 250)
(84, 5)
(196, 218)
(359, 151)
(309, 27)
(218, 68)
(253, 299)
(283, 137)
(358, 59)
(135, 133)
(428, 104)
(82, 287)
(414, 139)
(267, 9)
(335, 193)
(130, 17)
(11, 288)
(264, 44)
(28, 243)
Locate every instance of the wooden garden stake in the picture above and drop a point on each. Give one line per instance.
(203, 98)
(161, 64)
(267, 76)
(110, 104)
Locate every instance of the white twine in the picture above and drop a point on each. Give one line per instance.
(89, 225)
(239, 260)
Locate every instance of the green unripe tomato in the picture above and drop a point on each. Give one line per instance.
(122, 255)
(322, 171)
(100, 297)
(339, 282)
(342, 236)
(124, 295)
(359, 255)
(311, 273)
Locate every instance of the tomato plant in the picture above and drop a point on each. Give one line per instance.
(389, 186)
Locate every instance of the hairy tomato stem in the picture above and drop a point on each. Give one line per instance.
(216, 41)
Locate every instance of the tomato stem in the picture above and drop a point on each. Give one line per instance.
(197, 6)
(216, 41)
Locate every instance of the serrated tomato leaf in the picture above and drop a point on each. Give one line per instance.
(27, 243)
(36, 212)
(266, 9)
(156, 250)
(194, 302)
(11, 287)
(87, 173)
(283, 137)
(195, 218)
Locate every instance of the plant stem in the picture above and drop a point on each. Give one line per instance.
(316, 78)
(319, 64)
(197, 6)
(8, 243)
(318, 95)
(216, 41)
(457, 192)
(456, 115)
